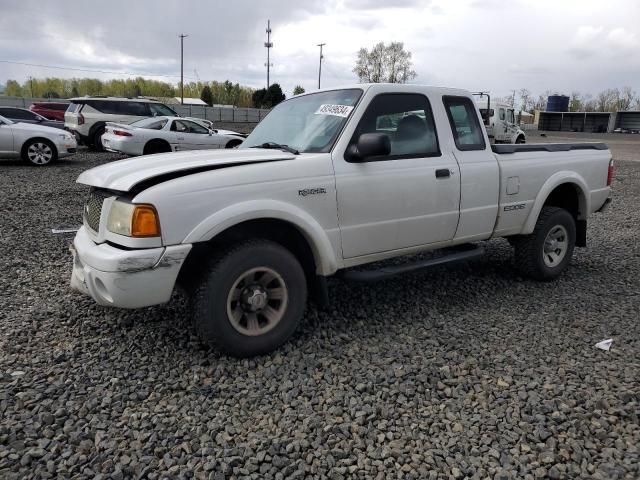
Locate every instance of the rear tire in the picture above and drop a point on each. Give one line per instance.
(520, 140)
(546, 253)
(39, 152)
(96, 140)
(250, 299)
(156, 146)
(233, 143)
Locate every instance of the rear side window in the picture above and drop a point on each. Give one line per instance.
(74, 107)
(465, 126)
(18, 114)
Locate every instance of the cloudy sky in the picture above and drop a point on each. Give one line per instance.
(499, 45)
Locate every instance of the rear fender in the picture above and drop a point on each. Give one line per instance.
(554, 181)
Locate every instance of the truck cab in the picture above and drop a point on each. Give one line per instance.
(500, 121)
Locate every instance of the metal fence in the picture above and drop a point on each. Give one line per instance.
(215, 114)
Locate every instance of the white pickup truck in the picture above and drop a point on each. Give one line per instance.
(328, 181)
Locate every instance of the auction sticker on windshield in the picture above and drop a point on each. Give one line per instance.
(336, 110)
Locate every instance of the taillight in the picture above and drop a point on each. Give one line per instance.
(80, 119)
(610, 173)
(121, 133)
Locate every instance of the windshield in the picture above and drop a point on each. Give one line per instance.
(310, 123)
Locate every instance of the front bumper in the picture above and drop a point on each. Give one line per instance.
(66, 147)
(125, 278)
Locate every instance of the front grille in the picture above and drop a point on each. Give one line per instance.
(93, 208)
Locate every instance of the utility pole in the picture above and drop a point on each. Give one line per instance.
(320, 64)
(31, 85)
(268, 44)
(182, 37)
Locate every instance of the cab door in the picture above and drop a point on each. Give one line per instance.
(191, 136)
(406, 199)
(500, 130)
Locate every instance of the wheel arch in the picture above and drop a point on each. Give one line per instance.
(23, 148)
(155, 140)
(265, 217)
(567, 190)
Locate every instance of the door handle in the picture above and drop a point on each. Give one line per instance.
(443, 173)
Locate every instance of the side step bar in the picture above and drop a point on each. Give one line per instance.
(453, 255)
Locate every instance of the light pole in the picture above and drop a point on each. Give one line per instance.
(320, 64)
(182, 37)
(268, 44)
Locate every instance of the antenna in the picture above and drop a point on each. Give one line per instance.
(269, 45)
(320, 64)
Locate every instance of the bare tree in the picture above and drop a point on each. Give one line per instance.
(384, 63)
(525, 99)
(626, 99)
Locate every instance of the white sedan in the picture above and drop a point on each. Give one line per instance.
(36, 144)
(164, 134)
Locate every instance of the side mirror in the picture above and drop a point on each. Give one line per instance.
(369, 145)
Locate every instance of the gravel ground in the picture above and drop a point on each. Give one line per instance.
(466, 373)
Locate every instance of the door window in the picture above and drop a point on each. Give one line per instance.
(510, 118)
(185, 126)
(407, 120)
(502, 114)
(465, 126)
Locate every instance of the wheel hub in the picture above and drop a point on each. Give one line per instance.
(254, 298)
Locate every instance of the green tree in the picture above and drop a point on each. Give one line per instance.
(274, 95)
(206, 95)
(389, 63)
(13, 89)
(258, 98)
(298, 90)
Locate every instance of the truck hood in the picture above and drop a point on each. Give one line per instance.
(124, 175)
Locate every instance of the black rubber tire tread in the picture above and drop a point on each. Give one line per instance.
(96, 139)
(28, 143)
(156, 146)
(233, 143)
(211, 293)
(528, 258)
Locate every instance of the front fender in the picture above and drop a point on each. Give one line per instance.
(552, 182)
(324, 255)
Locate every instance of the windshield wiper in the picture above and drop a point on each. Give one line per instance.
(274, 145)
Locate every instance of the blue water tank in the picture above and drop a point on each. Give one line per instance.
(557, 103)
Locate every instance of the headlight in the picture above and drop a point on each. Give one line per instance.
(133, 220)
(65, 136)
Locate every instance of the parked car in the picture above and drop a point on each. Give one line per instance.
(163, 134)
(36, 144)
(50, 110)
(86, 117)
(23, 115)
(211, 126)
(328, 181)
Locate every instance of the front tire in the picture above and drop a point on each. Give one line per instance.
(39, 152)
(251, 298)
(546, 253)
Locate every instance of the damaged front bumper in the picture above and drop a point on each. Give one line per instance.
(125, 278)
